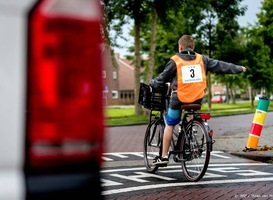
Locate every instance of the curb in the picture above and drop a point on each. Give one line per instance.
(262, 156)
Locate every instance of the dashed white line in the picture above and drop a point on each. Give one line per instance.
(125, 155)
(166, 185)
(178, 166)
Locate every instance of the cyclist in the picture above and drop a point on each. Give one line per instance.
(186, 71)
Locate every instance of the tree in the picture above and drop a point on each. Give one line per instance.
(259, 51)
(117, 13)
(159, 24)
(206, 34)
(221, 43)
(260, 67)
(266, 24)
(175, 18)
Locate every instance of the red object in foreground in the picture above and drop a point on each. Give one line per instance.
(64, 126)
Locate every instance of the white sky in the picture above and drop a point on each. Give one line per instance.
(253, 7)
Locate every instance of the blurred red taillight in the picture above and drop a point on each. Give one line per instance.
(205, 116)
(64, 86)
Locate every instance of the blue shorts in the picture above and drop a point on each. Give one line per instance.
(173, 116)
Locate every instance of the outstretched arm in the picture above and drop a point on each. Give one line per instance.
(221, 67)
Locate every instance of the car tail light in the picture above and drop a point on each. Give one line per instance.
(205, 116)
(64, 124)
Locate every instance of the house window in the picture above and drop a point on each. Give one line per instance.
(114, 75)
(104, 74)
(114, 94)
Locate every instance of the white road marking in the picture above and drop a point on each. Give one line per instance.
(106, 159)
(122, 170)
(106, 182)
(137, 178)
(178, 166)
(120, 155)
(237, 170)
(207, 175)
(125, 155)
(166, 185)
(216, 154)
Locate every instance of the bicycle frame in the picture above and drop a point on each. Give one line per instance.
(181, 126)
(194, 136)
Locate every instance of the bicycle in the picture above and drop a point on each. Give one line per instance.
(192, 139)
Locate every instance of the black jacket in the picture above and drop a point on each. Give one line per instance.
(215, 66)
(212, 65)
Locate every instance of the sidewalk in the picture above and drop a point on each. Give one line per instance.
(235, 144)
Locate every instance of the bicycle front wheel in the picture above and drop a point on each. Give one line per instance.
(195, 151)
(153, 144)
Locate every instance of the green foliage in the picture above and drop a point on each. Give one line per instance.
(266, 24)
(214, 25)
(259, 50)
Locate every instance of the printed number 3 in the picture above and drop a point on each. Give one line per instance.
(192, 73)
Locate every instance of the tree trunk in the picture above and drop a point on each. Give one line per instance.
(152, 47)
(138, 107)
(227, 94)
(232, 95)
(209, 91)
(209, 75)
(250, 91)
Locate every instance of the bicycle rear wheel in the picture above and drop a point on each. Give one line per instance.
(153, 144)
(196, 153)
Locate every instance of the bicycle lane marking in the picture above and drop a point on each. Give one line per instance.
(125, 155)
(166, 185)
(178, 166)
(140, 177)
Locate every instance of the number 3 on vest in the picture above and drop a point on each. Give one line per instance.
(191, 73)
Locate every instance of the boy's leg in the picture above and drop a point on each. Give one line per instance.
(173, 117)
(167, 138)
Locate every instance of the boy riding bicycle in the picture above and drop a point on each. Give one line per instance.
(186, 71)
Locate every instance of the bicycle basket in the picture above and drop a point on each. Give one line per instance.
(152, 100)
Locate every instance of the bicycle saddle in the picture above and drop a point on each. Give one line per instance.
(190, 107)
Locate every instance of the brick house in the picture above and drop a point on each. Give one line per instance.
(118, 77)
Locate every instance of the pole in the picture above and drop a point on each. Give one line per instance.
(257, 123)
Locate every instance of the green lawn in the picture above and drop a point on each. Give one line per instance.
(125, 115)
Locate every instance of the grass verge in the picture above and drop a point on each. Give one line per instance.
(125, 115)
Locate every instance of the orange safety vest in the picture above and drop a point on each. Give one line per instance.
(191, 78)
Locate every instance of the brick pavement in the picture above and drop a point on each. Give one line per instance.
(222, 192)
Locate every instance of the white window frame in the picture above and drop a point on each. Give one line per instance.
(114, 94)
(115, 75)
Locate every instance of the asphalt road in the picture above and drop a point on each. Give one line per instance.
(231, 132)
(237, 123)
